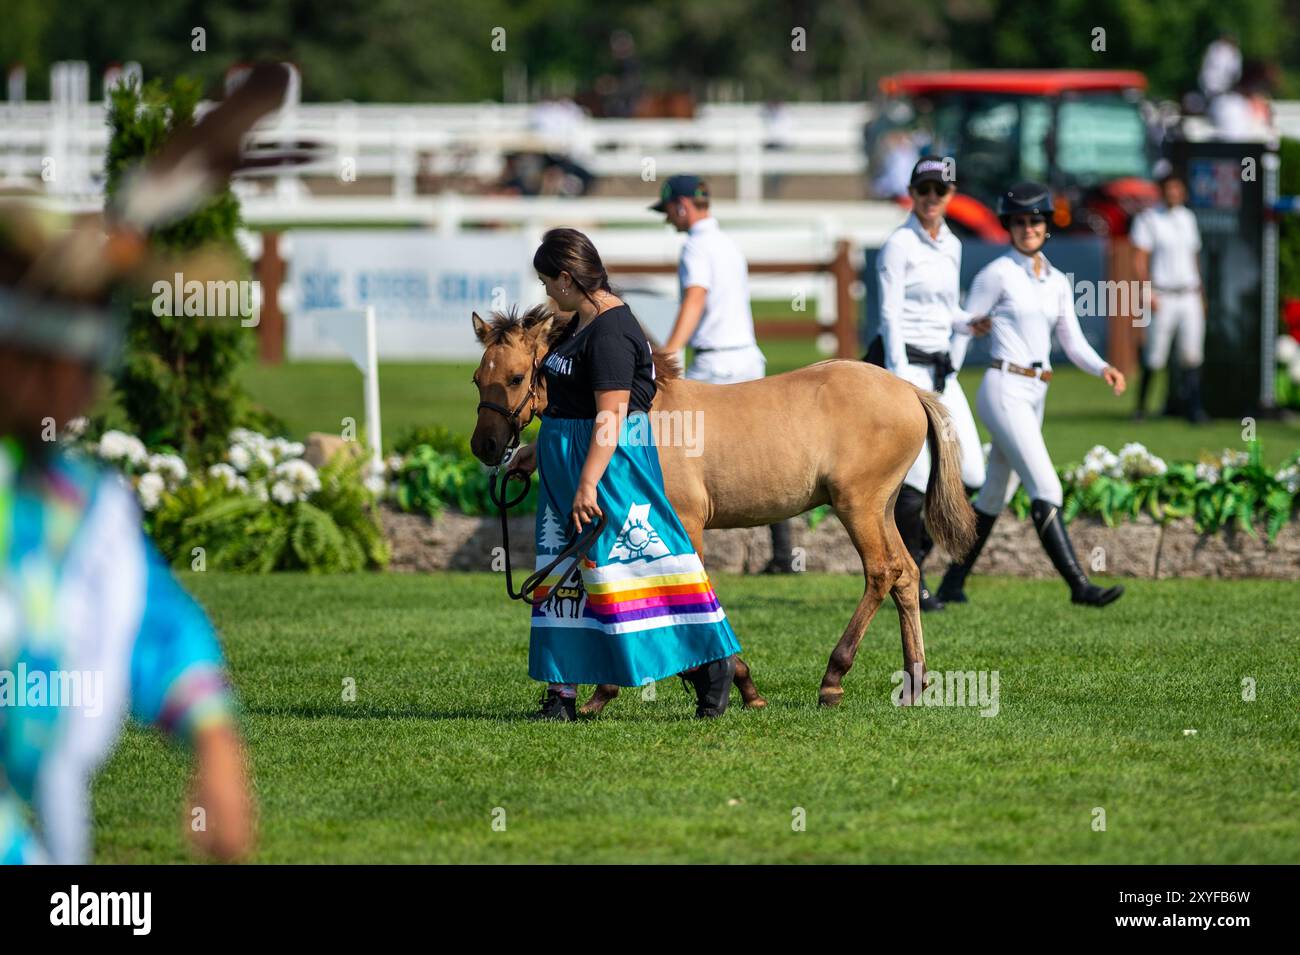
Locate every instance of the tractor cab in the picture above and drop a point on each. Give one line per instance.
(1080, 131)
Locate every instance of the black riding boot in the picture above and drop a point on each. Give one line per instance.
(712, 683)
(782, 561)
(1144, 386)
(952, 590)
(1195, 410)
(1051, 531)
(911, 527)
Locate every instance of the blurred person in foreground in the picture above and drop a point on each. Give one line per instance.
(93, 625)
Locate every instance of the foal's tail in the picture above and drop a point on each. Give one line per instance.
(949, 517)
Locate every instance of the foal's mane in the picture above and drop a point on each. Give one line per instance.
(503, 325)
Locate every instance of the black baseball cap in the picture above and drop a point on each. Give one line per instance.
(680, 187)
(931, 169)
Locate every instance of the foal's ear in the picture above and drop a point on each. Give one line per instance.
(480, 328)
(540, 331)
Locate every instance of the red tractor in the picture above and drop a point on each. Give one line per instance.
(1080, 131)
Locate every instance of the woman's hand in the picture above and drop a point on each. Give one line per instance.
(585, 507)
(1115, 378)
(525, 459)
(980, 327)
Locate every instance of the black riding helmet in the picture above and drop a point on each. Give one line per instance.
(1025, 198)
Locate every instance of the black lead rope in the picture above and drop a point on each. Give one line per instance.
(575, 549)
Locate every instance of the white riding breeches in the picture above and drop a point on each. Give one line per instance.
(1011, 407)
(963, 429)
(1181, 315)
(727, 366)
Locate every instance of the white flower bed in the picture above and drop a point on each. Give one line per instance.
(1289, 478)
(1133, 461)
(270, 469)
(120, 448)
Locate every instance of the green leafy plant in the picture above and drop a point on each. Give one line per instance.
(439, 437)
(431, 480)
(335, 531)
(262, 509)
(1235, 489)
(817, 515)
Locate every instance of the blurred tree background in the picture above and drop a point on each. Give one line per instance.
(178, 379)
(417, 50)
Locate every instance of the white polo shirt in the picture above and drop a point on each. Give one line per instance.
(1025, 308)
(1172, 238)
(712, 261)
(920, 283)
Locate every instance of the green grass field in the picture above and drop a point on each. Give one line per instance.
(1093, 711)
(1081, 411)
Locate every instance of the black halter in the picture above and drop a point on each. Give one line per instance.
(513, 416)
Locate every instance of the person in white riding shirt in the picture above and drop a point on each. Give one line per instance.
(715, 318)
(1166, 243)
(923, 338)
(1027, 298)
(1220, 67)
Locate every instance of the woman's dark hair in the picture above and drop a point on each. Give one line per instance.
(568, 250)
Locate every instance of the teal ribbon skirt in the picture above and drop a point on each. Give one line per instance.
(644, 608)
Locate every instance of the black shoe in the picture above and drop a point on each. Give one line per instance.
(712, 683)
(557, 708)
(1094, 596)
(929, 602)
(782, 561)
(1051, 531)
(953, 588)
(1144, 385)
(1195, 410)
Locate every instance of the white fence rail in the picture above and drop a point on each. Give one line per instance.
(62, 144)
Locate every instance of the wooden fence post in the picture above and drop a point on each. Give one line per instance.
(1122, 335)
(270, 327)
(846, 306)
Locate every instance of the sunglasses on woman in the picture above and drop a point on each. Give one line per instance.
(931, 189)
(1026, 222)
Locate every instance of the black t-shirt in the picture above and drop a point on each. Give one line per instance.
(610, 354)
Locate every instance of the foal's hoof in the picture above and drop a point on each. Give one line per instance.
(831, 695)
(757, 703)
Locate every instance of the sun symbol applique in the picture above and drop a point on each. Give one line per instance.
(638, 540)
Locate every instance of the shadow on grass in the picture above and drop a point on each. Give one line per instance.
(385, 713)
(621, 714)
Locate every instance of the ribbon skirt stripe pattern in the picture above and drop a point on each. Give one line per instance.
(644, 608)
